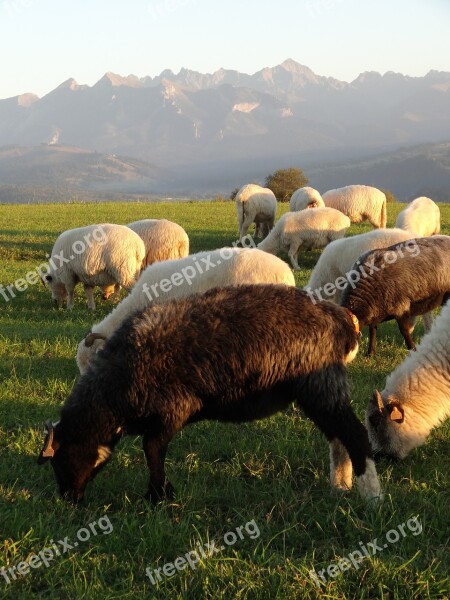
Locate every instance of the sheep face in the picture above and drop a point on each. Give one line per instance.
(108, 291)
(389, 431)
(74, 464)
(72, 472)
(57, 289)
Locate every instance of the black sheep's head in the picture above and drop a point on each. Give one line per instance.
(74, 463)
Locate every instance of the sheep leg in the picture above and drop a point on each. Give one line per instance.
(404, 326)
(341, 470)
(89, 291)
(294, 249)
(266, 228)
(259, 230)
(372, 340)
(70, 287)
(348, 437)
(155, 448)
(428, 320)
(244, 227)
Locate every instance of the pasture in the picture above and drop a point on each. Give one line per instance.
(260, 491)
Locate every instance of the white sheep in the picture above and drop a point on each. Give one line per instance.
(421, 217)
(96, 255)
(306, 228)
(255, 204)
(416, 397)
(199, 272)
(305, 197)
(163, 239)
(359, 203)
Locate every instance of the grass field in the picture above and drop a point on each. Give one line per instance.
(270, 478)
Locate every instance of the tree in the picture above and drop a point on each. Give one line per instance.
(389, 196)
(284, 182)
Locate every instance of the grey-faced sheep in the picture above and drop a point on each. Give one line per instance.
(403, 281)
(163, 239)
(195, 359)
(255, 204)
(416, 397)
(359, 203)
(199, 272)
(96, 255)
(306, 228)
(421, 217)
(305, 197)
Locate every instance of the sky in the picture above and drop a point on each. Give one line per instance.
(44, 42)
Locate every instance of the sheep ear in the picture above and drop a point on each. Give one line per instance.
(378, 401)
(50, 445)
(396, 413)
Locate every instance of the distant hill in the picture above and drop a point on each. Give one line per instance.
(65, 173)
(45, 173)
(410, 172)
(207, 132)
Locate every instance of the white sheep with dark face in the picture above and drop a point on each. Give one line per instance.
(416, 397)
(96, 255)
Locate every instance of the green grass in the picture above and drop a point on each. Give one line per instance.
(274, 472)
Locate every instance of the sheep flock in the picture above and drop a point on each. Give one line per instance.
(225, 334)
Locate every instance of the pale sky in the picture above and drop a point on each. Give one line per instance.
(44, 42)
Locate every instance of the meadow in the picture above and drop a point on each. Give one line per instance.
(259, 491)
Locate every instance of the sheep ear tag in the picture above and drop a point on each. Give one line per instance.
(396, 413)
(48, 451)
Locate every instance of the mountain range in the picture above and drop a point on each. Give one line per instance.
(212, 132)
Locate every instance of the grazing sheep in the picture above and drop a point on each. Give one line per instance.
(399, 282)
(255, 204)
(94, 255)
(194, 359)
(305, 197)
(416, 397)
(199, 272)
(308, 228)
(337, 259)
(163, 240)
(359, 203)
(421, 217)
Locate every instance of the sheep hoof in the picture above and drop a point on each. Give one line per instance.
(156, 495)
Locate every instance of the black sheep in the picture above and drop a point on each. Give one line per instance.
(405, 280)
(194, 359)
